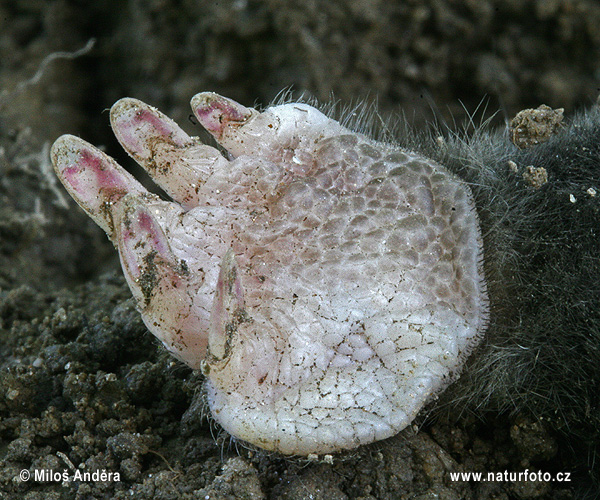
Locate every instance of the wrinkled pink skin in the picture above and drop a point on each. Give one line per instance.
(175, 304)
(327, 285)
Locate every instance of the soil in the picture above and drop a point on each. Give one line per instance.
(83, 385)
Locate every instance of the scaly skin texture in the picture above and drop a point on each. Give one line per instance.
(326, 284)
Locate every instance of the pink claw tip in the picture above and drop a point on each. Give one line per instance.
(86, 170)
(138, 125)
(65, 152)
(216, 112)
(141, 237)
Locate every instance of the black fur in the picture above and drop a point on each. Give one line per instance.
(541, 353)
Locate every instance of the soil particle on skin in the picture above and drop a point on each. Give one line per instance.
(536, 177)
(534, 126)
